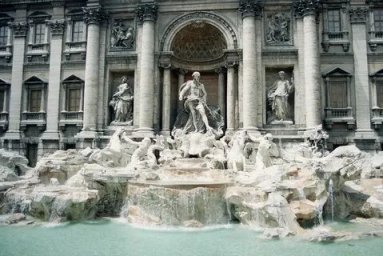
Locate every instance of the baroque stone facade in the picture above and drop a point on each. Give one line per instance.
(61, 64)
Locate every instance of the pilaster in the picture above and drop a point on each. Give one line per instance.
(358, 18)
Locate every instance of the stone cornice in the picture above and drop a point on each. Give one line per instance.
(306, 7)
(358, 15)
(19, 28)
(57, 26)
(147, 12)
(93, 15)
(250, 8)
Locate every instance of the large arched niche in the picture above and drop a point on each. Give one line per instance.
(198, 43)
(196, 18)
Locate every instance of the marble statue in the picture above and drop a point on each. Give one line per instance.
(278, 96)
(122, 37)
(236, 152)
(122, 103)
(197, 115)
(266, 150)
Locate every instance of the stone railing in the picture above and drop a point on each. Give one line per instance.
(376, 38)
(71, 118)
(336, 38)
(339, 115)
(33, 119)
(71, 115)
(38, 50)
(377, 117)
(75, 48)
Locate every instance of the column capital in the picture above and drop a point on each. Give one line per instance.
(250, 8)
(58, 3)
(147, 12)
(219, 70)
(93, 15)
(165, 60)
(19, 28)
(306, 7)
(358, 15)
(57, 26)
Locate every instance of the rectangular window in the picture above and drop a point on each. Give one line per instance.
(35, 100)
(77, 31)
(73, 100)
(378, 20)
(337, 94)
(334, 24)
(3, 35)
(379, 94)
(39, 33)
(2, 99)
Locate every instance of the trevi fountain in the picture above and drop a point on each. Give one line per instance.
(199, 191)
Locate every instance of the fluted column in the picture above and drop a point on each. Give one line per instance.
(249, 9)
(308, 10)
(358, 17)
(57, 31)
(19, 32)
(166, 100)
(230, 98)
(221, 90)
(93, 16)
(147, 14)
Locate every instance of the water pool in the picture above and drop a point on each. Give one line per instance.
(112, 238)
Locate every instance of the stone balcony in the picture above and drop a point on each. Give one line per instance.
(33, 119)
(339, 115)
(3, 121)
(38, 50)
(71, 118)
(336, 38)
(376, 38)
(6, 53)
(377, 117)
(75, 48)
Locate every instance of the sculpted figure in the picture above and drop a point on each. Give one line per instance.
(197, 115)
(266, 150)
(122, 102)
(122, 36)
(278, 96)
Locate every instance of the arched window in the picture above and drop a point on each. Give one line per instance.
(72, 104)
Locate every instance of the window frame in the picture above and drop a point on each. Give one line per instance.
(338, 114)
(35, 84)
(339, 38)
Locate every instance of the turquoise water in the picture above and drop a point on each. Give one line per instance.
(111, 238)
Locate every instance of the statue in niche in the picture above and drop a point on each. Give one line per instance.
(122, 103)
(122, 36)
(278, 95)
(278, 29)
(197, 116)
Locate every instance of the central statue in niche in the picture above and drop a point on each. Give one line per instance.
(197, 116)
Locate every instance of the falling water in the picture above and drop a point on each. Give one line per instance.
(319, 211)
(331, 191)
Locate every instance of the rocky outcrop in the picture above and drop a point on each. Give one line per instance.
(12, 165)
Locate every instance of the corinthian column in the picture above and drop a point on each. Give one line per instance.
(92, 17)
(249, 9)
(308, 10)
(147, 14)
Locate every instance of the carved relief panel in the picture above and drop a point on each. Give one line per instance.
(278, 29)
(122, 35)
